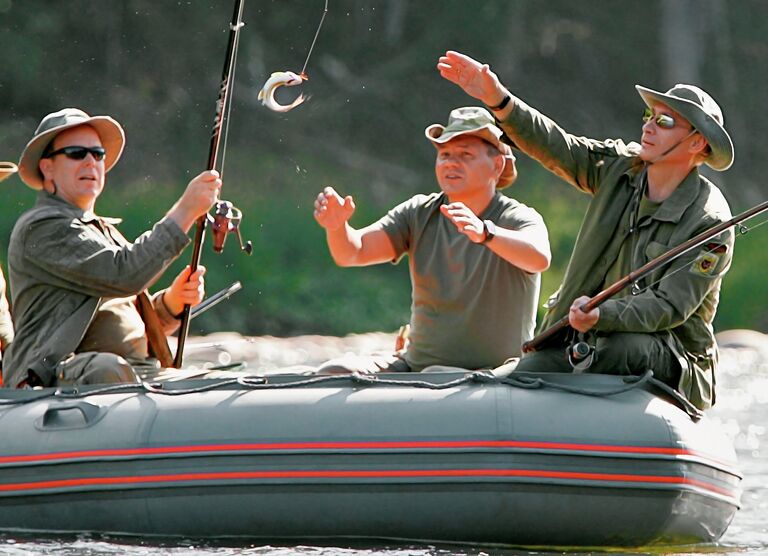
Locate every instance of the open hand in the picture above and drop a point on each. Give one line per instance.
(476, 79)
(332, 211)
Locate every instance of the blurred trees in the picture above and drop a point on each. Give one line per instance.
(155, 67)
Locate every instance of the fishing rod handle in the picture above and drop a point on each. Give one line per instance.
(186, 313)
(540, 339)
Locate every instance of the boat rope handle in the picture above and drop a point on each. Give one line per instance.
(263, 383)
(527, 382)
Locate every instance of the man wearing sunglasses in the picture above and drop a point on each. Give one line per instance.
(646, 199)
(77, 285)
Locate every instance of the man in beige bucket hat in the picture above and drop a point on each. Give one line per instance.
(646, 199)
(77, 285)
(474, 254)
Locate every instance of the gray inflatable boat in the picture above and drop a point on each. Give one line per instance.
(556, 460)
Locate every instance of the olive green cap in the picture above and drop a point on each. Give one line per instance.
(473, 120)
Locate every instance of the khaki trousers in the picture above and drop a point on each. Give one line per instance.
(93, 367)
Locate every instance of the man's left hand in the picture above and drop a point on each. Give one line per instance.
(188, 288)
(465, 221)
(578, 319)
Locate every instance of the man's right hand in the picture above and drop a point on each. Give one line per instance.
(332, 211)
(201, 194)
(476, 79)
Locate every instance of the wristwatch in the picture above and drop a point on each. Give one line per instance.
(490, 230)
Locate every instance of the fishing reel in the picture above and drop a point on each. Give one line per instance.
(227, 220)
(580, 353)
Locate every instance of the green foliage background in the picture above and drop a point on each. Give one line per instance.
(155, 66)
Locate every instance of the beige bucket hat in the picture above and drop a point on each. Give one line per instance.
(703, 113)
(473, 120)
(7, 169)
(110, 132)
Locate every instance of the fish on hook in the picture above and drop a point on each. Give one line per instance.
(280, 79)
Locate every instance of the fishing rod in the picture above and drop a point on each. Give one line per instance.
(221, 228)
(537, 341)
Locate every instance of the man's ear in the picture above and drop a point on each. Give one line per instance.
(699, 144)
(46, 167)
(499, 163)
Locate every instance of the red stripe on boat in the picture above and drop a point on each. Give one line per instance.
(317, 446)
(356, 474)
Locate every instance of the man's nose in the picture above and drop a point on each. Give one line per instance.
(649, 125)
(449, 159)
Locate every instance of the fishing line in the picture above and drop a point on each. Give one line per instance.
(312, 46)
(231, 85)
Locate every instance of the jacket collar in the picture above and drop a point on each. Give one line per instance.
(673, 207)
(46, 199)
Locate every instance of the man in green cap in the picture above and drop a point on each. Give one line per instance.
(474, 254)
(646, 199)
(79, 303)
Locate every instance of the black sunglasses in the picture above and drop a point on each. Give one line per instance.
(75, 152)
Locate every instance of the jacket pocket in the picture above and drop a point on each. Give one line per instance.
(655, 249)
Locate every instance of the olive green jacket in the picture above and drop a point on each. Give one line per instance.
(678, 301)
(61, 265)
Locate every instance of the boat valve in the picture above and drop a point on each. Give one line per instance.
(227, 220)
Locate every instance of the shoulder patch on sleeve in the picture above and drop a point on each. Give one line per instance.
(708, 262)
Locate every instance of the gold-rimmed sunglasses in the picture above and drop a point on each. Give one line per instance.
(664, 121)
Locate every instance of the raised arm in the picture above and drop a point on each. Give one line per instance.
(580, 161)
(348, 246)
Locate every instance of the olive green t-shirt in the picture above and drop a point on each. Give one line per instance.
(470, 308)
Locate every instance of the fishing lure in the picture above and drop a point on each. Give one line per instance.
(280, 79)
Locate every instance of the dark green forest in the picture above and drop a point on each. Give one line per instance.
(155, 66)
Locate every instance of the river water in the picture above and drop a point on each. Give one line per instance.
(742, 409)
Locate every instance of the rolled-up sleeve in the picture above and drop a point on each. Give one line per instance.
(168, 321)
